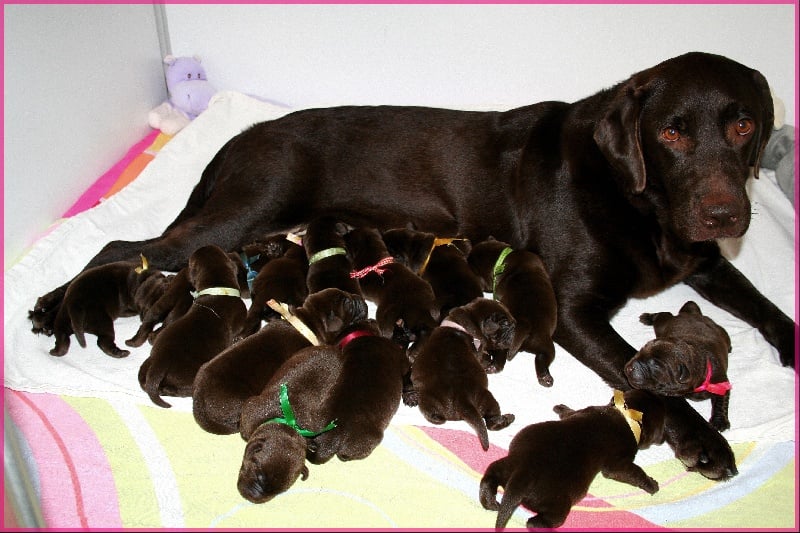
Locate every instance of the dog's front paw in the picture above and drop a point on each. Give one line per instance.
(410, 398)
(650, 485)
(498, 422)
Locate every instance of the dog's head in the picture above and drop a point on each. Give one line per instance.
(274, 458)
(487, 320)
(409, 246)
(683, 135)
(211, 266)
(329, 311)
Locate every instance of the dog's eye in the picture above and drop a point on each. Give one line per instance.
(683, 374)
(670, 134)
(743, 126)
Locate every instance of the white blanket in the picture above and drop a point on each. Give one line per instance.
(762, 405)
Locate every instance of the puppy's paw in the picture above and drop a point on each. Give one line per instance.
(410, 398)
(498, 422)
(720, 423)
(650, 485)
(545, 380)
(707, 453)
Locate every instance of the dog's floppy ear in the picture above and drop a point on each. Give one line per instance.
(617, 135)
(768, 121)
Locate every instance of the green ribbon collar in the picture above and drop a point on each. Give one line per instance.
(327, 252)
(289, 419)
(499, 267)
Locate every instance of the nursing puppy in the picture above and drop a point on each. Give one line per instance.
(242, 370)
(550, 465)
(448, 379)
(170, 306)
(328, 262)
(688, 357)
(441, 261)
(254, 256)
(519, 280)
(99, 296)
(211, 325)
(366, 396)
(406, 304)
(292, 408)
(282, 279)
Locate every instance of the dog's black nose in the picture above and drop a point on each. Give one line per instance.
(635, 373)
(719, 215)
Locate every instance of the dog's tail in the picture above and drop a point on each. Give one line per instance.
(647, 318)
(474, 419)
(508, 504)
(150, 379)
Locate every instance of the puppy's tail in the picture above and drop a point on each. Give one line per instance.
(474, 419)
(151, 382)
(508, 504)
(647, 319)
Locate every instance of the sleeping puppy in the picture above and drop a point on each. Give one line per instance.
(282, 279)
(242, 370)
(447, 377)
(328, 262)
(550, 465)
(211, 325)
(99, 296)
(519, 280)
(366, 396)
(441, 261)
(292, 408)
(688, 357)
(406, 304)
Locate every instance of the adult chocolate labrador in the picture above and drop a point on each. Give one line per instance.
(621, 194)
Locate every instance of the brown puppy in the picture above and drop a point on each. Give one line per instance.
(623, 194)
(440, 261)
(688, 357)
(550, 465)
(292, 408)
(242, 370)
(406, 304)
(254, 256)
(210, 326)
(99, 296)
(366, 395)
(328, 262)
(282, 279)
(449, 382)
(519, 280)
(170, 306)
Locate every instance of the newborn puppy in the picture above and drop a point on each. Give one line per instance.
(328, 262)
(406, 304)
(96, 298)
(171, 305)
(282, 279)
(210, 326)
(292, 408)
(254, 256)
(550, 465)
(366, 395)
(519, 280)
(242, 370)
(688, 357)
(442, 262)
(447, 377)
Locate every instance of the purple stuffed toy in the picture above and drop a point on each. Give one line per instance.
(189, 94)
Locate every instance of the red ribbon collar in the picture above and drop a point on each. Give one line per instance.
(714, 388)
(354, 335)
(377, 268)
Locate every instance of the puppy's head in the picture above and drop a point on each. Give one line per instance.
(409, 246)
(672, 367)
(329, 311)
(653, 415)
(211, 266)
(487, 320)
(273, 459)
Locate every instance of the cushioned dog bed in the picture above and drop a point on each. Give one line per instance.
(91, 451)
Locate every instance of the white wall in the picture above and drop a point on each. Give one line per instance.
(79, 81)
(468, 56)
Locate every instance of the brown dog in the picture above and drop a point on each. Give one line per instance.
(622, 193)
(550, 465)
(210, 326)
(242, 370)
(449, 382)
(170, 306)
(519, 280)
(282, 279)
(440, 261)
(688, 357)
(406, 304)
(329, 265)
(99, 296)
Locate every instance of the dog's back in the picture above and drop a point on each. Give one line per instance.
(328, 262)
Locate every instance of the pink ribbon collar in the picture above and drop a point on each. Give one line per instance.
(377, 268)
(714, 388)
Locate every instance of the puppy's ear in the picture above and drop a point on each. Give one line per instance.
(618, 137)
(691, 307)
(767, 121)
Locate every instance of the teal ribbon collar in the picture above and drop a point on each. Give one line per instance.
(499, 267)
(289, 419)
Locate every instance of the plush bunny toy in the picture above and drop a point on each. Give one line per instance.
(189, 94)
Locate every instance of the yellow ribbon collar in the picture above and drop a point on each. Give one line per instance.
(294, 320)
(438, 241)
(632, 416)
(216, 291)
